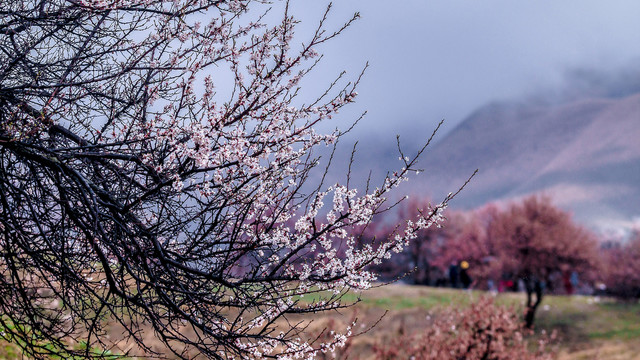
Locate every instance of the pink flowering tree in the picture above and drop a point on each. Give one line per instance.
(534, 239)
(621, 267)
(468, 240)
(156, 162)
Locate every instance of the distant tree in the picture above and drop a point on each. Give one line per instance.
(466, 239)
(417, 258)
(416, 262)
(622, 268)
(534, 239)
(156, 159)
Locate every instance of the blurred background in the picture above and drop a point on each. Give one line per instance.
(539, 96)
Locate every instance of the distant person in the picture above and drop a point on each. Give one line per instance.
(502, 285)
(574, 280)
(454, 274)
(506, 282)
(491, 286)
(566, 281)
(465, 279)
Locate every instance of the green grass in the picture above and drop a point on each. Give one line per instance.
(437, 298)
(579, 321)
(11, 351)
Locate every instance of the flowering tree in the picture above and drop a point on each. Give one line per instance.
(155, 162)
(534, 239)
(468, 240)
(622, 268)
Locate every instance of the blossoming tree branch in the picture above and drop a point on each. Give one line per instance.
(140, 188)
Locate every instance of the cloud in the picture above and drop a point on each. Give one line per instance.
(581, 82)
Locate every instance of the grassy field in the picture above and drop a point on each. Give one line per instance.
(587, 327)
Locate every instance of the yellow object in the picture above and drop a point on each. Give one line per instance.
(464, 265)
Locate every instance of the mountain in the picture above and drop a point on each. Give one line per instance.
(585, 153)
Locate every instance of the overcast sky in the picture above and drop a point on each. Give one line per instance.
(442, 59)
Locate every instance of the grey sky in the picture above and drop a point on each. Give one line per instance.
(442, 59)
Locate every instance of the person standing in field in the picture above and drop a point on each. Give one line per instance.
(574, 280)
(566, 280)
(453, 274)
(464, 275)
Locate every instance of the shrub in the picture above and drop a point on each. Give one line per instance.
(482, 331)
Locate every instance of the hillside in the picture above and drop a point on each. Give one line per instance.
(585, 153)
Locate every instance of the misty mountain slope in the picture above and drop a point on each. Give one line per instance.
(584, 153)
(611, 138)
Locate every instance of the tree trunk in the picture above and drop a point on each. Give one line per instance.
(532, 286)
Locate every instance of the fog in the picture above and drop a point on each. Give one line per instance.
(433, 60)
